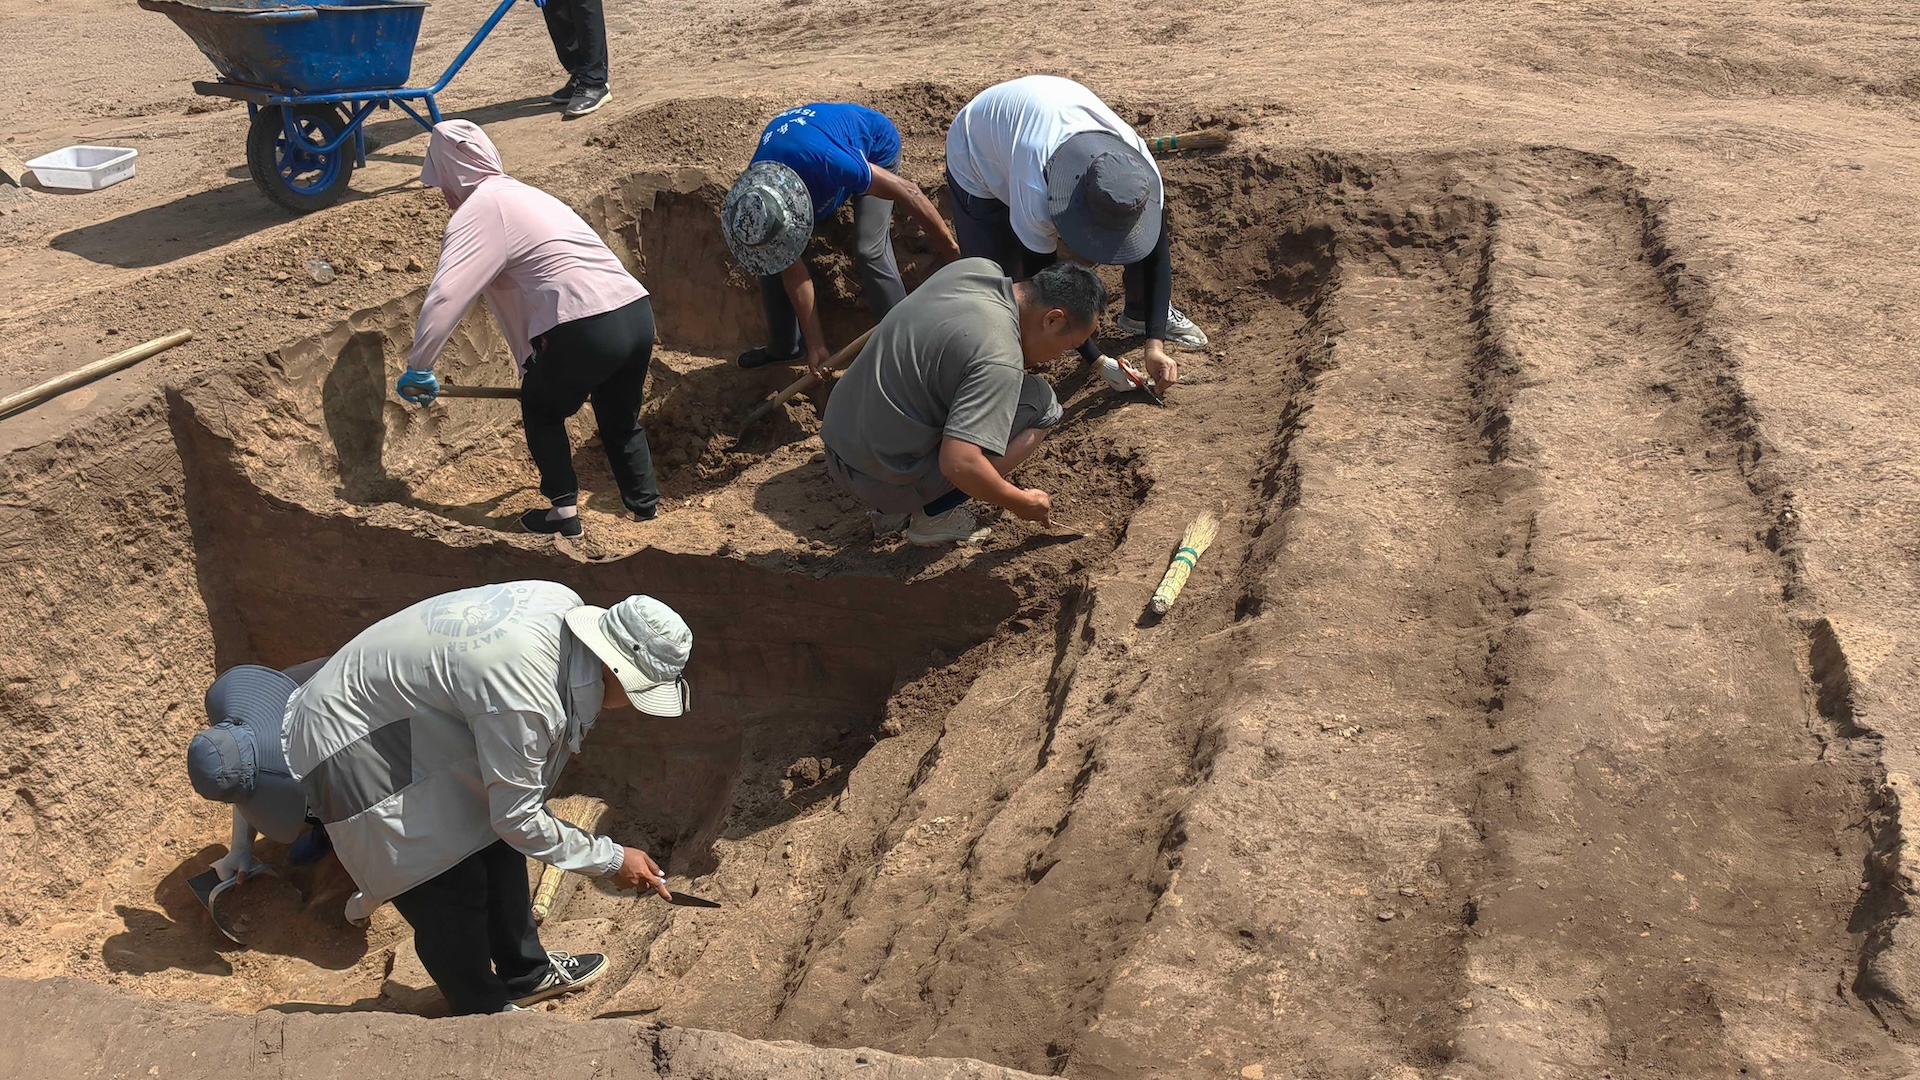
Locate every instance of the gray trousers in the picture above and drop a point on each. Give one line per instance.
(879, 272)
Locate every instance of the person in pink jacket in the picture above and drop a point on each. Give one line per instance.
(579, 325)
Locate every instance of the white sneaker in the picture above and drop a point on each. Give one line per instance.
(1180, 329)
(956, 526)
(885, 525)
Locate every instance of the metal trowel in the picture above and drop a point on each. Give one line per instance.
(207, 887)
(681, 899)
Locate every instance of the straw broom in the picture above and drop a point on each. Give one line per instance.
(1199, 536)
(557, 885)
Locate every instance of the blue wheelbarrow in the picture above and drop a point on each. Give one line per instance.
(311, 74)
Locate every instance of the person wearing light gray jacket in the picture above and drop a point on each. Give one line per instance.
(428, 746)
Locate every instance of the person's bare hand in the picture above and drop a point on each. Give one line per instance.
(639, 871)
(817, 357)
(1160, 367)
(1034, 505)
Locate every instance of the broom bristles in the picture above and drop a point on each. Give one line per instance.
(1193, 543)
(584, 811)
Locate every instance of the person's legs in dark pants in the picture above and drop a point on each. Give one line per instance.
(873, 251)
(783, 326)
(616, 410)
(603, 357)
(548, 395)
(513, 941)
(470, 935)
(579, 32)
(574, 362)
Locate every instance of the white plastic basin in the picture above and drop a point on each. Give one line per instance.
(83, 168)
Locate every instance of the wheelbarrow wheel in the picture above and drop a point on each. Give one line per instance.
(294, 174)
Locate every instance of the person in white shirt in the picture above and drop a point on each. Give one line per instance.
(1040, 160)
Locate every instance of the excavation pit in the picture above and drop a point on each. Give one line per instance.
(970, 803)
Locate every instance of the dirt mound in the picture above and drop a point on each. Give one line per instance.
(1492, 662)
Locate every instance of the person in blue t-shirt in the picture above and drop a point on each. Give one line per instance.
(810, 161)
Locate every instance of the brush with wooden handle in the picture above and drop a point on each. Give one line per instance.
(557, 885)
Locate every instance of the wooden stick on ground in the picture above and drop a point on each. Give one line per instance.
(834, 363)
(34, 395)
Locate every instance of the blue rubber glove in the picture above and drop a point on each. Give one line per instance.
(418, 387)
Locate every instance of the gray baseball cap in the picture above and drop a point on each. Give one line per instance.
(1104, 198)
(239, 759)
(767, 218)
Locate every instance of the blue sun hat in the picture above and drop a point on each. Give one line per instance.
(239, 759)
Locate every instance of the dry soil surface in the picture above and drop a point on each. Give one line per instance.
(1545, 707)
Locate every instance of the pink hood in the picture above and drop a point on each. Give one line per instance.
(459, 158)
(537, 263)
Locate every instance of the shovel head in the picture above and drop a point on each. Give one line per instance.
(207, 888)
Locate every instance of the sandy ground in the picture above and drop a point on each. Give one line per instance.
(1546, 708)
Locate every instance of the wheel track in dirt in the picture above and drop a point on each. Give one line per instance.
(1673, 830)
(1338, 786)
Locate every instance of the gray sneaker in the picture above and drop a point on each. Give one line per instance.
(885, 525)
(956, 526)
(1180, 329)
(585, 100)
(568, 973)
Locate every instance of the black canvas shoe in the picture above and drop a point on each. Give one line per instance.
(565, 93)
(585, 100)
(759, 356)
(568, 973)
(536, 521)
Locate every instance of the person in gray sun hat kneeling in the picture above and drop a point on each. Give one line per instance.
(940, 406)
(1040, 160)
(238, 760)
(428, 746)
(811, 160)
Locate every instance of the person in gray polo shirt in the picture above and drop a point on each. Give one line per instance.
(939, 406)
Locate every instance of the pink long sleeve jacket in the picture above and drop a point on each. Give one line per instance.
(537, 263)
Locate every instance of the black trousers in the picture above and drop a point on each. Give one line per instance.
(984, 228)
(473, 928)
(579, 32)
(602, 358)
